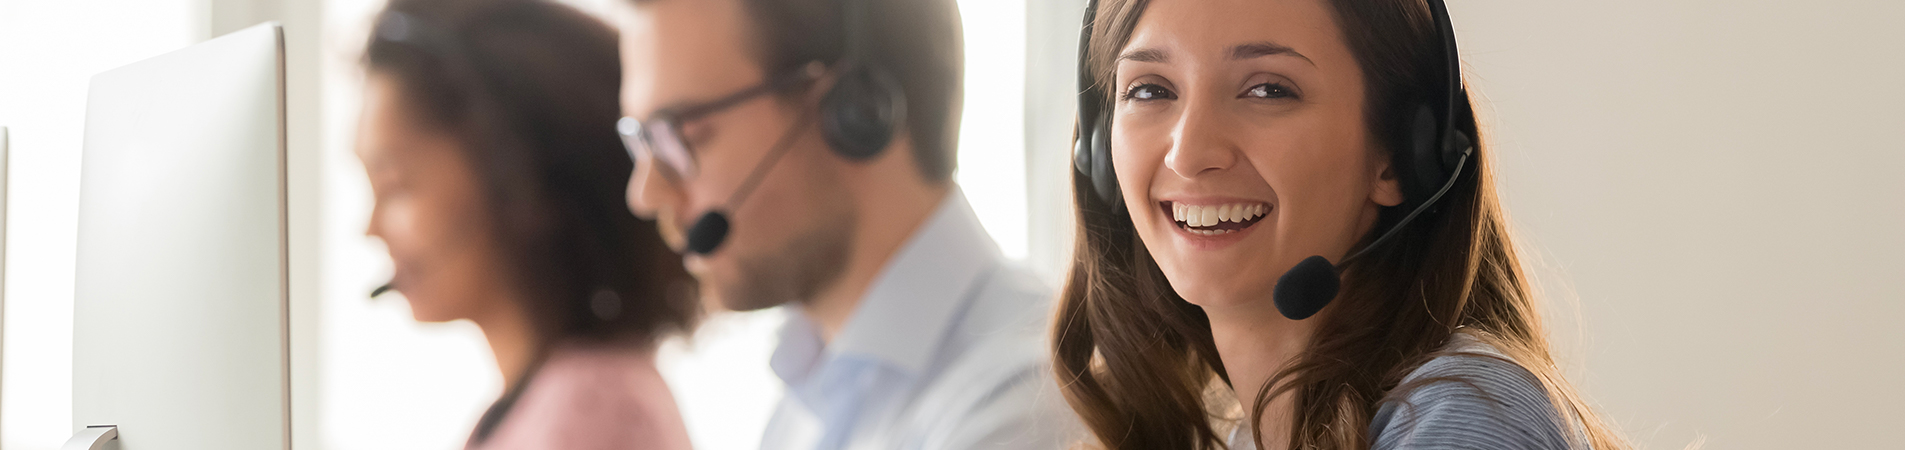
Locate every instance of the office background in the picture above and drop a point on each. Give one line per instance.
(1708, 191)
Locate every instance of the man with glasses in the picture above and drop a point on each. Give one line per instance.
(801, 153)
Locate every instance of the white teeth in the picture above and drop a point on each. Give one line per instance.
(1209, 215)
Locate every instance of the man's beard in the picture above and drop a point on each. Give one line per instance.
(812, 260)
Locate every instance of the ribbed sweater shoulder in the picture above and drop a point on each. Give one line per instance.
(1474, 398)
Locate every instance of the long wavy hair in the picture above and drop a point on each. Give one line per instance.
(1139, 365)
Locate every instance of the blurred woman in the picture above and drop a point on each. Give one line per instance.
(488, 135)
(1238, 140)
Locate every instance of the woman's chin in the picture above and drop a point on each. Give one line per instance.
(1212, 280)
(424, 308)
(1213, 295)
(427, 316)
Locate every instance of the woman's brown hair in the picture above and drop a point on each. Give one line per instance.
(1138, 362)
(531, 91)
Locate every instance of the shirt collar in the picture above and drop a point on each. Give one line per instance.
(906, 312)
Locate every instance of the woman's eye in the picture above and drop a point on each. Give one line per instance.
(1148, 91)
(1269, 91)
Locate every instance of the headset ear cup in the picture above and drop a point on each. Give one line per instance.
(1081, 150)
(860, 113)
(1424, 161)
(1456, 145)
(1104, 176)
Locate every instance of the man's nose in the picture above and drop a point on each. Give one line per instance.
(647, 191)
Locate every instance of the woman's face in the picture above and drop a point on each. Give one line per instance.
(429, 210)
(1240, 144)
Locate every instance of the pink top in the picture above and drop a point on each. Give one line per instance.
(593, 398)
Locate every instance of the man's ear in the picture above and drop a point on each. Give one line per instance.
(1387, 190)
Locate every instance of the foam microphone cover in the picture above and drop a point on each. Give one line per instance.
(1306, 288)
(708, 233)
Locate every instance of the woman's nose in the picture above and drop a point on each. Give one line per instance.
(1199, 142)
(370, 226)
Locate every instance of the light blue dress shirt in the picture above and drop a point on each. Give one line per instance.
(946, 351)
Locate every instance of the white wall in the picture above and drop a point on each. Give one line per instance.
(1051, 102)
(1717, 183)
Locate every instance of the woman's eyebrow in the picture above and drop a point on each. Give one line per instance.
(1150, 55)
(1261, 49)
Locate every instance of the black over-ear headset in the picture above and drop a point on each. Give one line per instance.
(866, 104)
(1437, 154)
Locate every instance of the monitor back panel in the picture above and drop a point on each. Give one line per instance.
(179, 309)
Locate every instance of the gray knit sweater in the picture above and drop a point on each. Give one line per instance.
(1474, 402)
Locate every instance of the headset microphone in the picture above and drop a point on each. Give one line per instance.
(1306, 288)
(707, 233)
(1313, 283)
(711, 229)
(387, 287)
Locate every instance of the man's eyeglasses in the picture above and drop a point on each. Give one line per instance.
(661, 138)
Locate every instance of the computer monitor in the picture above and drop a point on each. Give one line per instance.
(180, 299)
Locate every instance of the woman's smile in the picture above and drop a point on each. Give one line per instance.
(1211, 223)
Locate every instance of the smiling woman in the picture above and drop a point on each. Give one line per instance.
(1226, 142)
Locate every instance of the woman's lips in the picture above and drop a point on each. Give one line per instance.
(1215, 219)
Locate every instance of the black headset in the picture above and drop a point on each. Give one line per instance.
(862, 110)
(1435, 159)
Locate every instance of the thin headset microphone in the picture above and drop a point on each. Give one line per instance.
(711, 230)
(1309, 286)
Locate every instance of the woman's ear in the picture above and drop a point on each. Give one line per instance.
(1387, 190)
